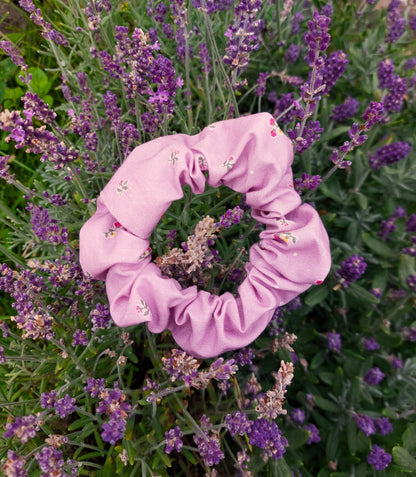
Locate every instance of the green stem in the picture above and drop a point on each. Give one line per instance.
(220, 62)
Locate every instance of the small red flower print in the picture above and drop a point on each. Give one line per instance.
(122, 186)
(319, 282)
(276, 130)
(142, 308)
(111, 232)
(145, 254)
(285, 237)
(228, 164)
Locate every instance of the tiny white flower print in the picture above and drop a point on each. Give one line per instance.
(285, 237)
(174, 156)
(142, 308)
(229, 163)
(122, 186)
(111, 232)
(275, 128)
(283, 222)
(145, 254)
(203, 164)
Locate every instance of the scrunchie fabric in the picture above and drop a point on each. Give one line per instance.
(250, 155)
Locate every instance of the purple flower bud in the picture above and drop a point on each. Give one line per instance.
(370, 344)
(351, 270)
(389, 154)
(365, 424)
(173, 440)
(383, 425)
(334, 342)
(344, 111)
(314, 436)
(297, 415)
(374, 376)
(292, 53)
(379, 458)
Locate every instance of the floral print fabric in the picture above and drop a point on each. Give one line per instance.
(249, 155)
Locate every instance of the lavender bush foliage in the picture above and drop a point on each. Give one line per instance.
(328, 389)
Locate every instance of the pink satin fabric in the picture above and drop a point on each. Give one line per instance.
(250, 155)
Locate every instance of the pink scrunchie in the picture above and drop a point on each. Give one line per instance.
(250, 155)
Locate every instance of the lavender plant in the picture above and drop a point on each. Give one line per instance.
(328, 389)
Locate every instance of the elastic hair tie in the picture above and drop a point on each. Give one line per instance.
(250, 155)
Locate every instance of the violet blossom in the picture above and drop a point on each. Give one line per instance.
(374, 376)
(365, 424)
(173, 440)
(389, 154)
(379, 458)
(351, 270)
(314, 436)
(334, 342)
(14, 465)
(10, 50)
(266, 435)
(345, 110)
(23, 428)
(243, 38)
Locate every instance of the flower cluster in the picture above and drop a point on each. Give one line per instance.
(351, 270)
(266, 435)
(270, 405)
(389, 154)
(345, 110)
(379, 458)
(243, 38)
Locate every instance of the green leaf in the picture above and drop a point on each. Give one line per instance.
(361, 294)
(39, 82)
(362, 200)
(351, 435)
(316, 295)
(282, 469)
(296, 437)
(326, 405)
(377, 246)
(317, 360)
(402, 457)
(409, 438)
(332, 443)
(406, 268)
(7, 68)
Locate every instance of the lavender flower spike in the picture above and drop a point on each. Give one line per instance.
(351, 270)
(379, 458)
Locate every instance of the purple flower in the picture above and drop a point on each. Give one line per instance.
(297, 415)
(383, 425)
(333, 69)
(48, 400)
(261, 84)
(209, 447)
(94, 386)
(412, 282)
(410, 63)
(65, 406)
(396, 24)
(396, 363)
(411, 223)
(389, 154)
(10, 50)
(100, 317)
(379, 458)
(314, 436)
(344, 111)
(93, 11)
(213, 6)
(351, 270)
(44, 227)
(385, 73)
(2, 357)
(50, 461)
(370, 344)
(22, 428)
(243, 357)
(231, 216)
(266, 435)
(285, 102)
(395, 98)
(311, 133)
(374, 376)
(292, 53)
(115, 428)
(373, 114)
(173, 440)
(80, 338)
(307, 182)
(296, 19)
(205, 58)
(334, 342)
(365, 424)
(112, 400)
(327, 10)
(14, 465)
(238, 423)
(242, 38)
(412, 22)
